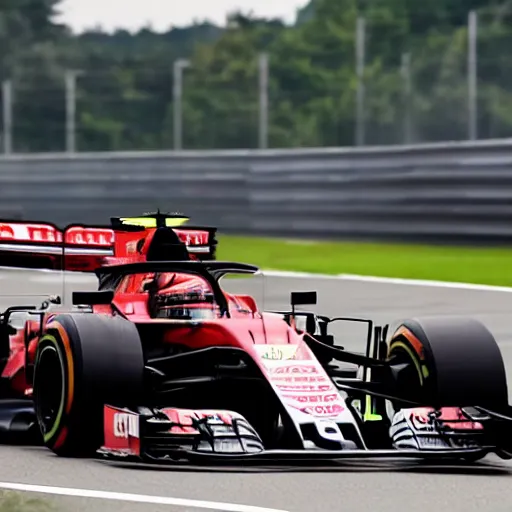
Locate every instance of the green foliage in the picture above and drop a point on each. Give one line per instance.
(125, 96)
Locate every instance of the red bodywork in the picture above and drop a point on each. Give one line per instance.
(38, 245)
(83, 249)
(278, 349)
(132, 302)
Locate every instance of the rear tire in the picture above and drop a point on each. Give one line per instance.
(448, 361)
(83, 362)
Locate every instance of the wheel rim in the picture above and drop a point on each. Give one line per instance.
(408, 375)
(49, 390)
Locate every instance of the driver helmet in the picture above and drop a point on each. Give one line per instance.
(182, 296)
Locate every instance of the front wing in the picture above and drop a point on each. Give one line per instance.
(206, 436)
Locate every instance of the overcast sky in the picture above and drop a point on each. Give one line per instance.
(162, 14)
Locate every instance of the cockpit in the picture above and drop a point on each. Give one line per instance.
(173, 295)
(184, 290)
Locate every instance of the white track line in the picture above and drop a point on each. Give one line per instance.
(69, 279)
(21, 269)
(70, 276)
(136, 498)
(390, 280)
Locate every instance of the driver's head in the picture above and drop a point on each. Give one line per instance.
(182, 296)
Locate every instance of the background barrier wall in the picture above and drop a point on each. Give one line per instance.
(442, 192)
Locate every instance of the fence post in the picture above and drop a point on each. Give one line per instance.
(472, 76)
(263, 100)
(7, 116)
(70, 78)
(179, 66)
(360, 67)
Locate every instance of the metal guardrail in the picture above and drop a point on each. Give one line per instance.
(460, 192)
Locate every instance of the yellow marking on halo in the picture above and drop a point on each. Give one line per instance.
(148, 222)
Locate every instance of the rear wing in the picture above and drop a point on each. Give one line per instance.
(200, 241)
(37, 245)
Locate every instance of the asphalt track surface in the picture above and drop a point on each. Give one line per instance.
(358, 487)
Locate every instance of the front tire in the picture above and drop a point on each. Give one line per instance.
(83, 362)
(448, 362)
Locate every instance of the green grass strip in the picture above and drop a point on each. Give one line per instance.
(491, 266)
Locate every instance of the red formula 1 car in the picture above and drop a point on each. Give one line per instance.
(161, 363)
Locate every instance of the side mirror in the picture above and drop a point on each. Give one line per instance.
(303, 299)
(97, 298)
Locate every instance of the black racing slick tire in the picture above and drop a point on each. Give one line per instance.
(448, 362)
(84, 361)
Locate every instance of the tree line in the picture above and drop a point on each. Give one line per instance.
(415, 77)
